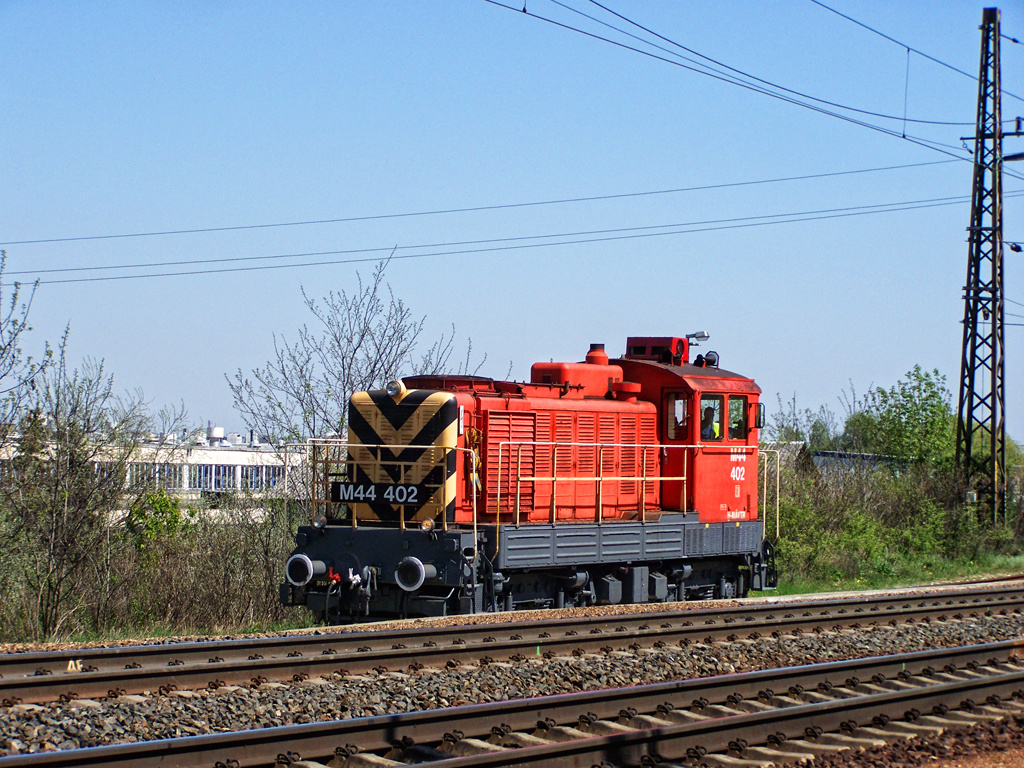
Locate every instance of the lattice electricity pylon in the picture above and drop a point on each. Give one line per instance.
(981, 434)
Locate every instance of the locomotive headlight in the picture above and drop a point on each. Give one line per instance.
(395, 388)
(319, 521)
(427, 525)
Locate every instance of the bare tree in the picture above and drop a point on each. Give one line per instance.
(359, 341)
(18, 371)
(71, 479)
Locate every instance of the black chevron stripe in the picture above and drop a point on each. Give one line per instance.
(367, 436)
(446, 414)
(438, 423)
(360, 427)
(388, 460)
(398, 413)
(434, 480)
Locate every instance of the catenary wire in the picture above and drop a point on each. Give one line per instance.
(919, 141)
(391, 250)
(946, 149)
(473, 209)
(908, 47)
(740, 72)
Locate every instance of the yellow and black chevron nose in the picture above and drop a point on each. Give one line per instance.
(405, 442)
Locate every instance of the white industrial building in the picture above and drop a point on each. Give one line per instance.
(216, 462)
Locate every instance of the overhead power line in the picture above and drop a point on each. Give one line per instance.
(504, 244)
(740, 72)
(149, 265)
(946, 149)
(471, 209)
(908, 47)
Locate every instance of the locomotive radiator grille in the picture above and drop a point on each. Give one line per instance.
(406, 443)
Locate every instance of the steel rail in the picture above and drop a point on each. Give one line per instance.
(680, 742)
(355, 653)
(54, 662)
(895, 685)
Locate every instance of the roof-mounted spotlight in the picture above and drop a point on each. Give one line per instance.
(698, 336)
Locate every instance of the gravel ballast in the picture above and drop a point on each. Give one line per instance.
(34, 728)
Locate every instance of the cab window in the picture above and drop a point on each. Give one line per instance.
(675, 412)
(737, 418)
(711, 412)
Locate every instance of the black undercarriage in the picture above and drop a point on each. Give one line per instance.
(368, 572)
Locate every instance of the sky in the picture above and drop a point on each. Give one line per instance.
(134, 118)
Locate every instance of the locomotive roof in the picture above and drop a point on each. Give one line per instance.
(694, 377)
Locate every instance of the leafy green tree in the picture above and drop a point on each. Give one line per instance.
(912, 421)
(155, 516)
(860, 432)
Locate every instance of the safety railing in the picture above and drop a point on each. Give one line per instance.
(322, 454)
(599, 478)
(765, 467)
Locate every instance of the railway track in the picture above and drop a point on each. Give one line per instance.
(90, 673)
(767, 717)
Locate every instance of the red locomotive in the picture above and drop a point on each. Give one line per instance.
(603, 481)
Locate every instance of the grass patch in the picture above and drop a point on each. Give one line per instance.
(912, 572)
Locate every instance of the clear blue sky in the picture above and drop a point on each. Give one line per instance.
(140, 117)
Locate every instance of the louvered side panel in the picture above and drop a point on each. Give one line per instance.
(607, 436)
(513, 436)
(544, 434)
(730, 538)
(586, 465)
(524, 449)
(565, 463)
(629, 465)
(586, 432)
(496, 474)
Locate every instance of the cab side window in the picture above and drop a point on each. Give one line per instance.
(712, 409)
(737, 418)
(675, 412)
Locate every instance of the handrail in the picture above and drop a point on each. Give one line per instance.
(599, 476)
(764, 494)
